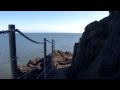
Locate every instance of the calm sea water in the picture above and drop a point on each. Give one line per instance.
(27, 50)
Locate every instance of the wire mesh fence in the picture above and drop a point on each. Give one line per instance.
(49, 57)
(22, 50)
(28, 51)
(5, 67)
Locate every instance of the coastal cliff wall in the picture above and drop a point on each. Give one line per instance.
(97, 54)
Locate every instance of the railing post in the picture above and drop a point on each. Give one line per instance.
(44, 58)
(12, 48)
(52, 54)
(53, 47)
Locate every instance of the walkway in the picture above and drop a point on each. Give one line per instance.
(60, 73)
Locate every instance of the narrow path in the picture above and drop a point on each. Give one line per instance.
(61, 69)
(60, 73)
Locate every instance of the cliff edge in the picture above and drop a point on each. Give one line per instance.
(97, 54)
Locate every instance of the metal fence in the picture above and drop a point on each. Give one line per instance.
(47, 63)
(5, 70)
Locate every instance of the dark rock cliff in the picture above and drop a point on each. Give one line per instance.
(97, 54)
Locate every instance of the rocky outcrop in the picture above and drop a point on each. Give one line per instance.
(97, 54)
(34, 67)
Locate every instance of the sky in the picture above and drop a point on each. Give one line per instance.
(50, 21)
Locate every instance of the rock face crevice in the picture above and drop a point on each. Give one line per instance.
(97, 54)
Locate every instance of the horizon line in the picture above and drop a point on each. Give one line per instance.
(52, 32)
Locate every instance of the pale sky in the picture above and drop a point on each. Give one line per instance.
(50, 21)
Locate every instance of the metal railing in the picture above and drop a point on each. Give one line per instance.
(13, 57)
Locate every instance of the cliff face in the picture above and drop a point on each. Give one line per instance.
(97, 54)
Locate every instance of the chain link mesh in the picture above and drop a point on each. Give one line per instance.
(5, 66)
(31, 53)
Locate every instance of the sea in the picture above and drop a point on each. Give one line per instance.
(27, 50)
